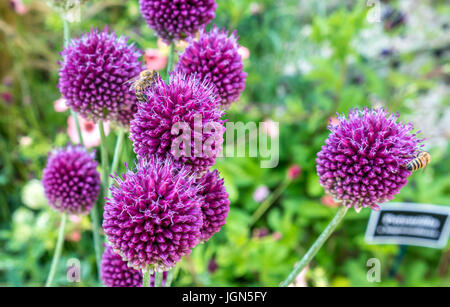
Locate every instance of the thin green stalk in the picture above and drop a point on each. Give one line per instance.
(104, 155)
(158, 279)
(172, 275)
(316, 246)
(116, 157)
(94, 210)
(265, 205)
(77, 124)
(146, 273)
(170, 59)
(58, 250)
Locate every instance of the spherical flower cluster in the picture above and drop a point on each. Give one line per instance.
(71, 180)
(94, 74)
(154, 216)
(116, 273)
(215, 57)
(363, 160)
(215, 204)
(181, 119)
(178, 19)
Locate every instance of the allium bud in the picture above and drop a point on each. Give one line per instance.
(180, 119)
(116, 273)
(215, 204)
(71, 180)
(94, 74)
(175, 20)
(154, 216)
(363, 160)
(215, 57)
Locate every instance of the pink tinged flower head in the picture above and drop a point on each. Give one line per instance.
(215, 57)
(154, 216)
(94, 73)
(115, 272)
(216, 204)
(181, 119)
(89, 131)
(177, 19)
(155, 59)
(71, 180)
(363, 160)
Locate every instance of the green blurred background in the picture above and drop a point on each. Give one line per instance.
(308, 60)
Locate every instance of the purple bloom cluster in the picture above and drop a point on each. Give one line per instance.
(154, 216)
(71, 180)
(180, 119)
(215, 204)
(177, 19)
(116, 273)
(214, 57)
(363, 160)
(94, 74)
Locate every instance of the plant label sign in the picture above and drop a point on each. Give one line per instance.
(409, 224)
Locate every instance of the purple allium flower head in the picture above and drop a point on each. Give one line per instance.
(215, 206)
(215, 57)
(115, 272)
(71, 180)
(177, 19)
(363, 160)
(154, 216)
(181, 119)
(94, 74)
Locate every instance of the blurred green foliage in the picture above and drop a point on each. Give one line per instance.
(308, 60)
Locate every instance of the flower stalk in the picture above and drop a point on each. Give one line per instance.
(158, 279)
(316, 246)
(58, 250)
(146, 273)
(94, 210)
(269, 201)
(170, 59)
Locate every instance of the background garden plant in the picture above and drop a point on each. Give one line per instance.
(307, 61)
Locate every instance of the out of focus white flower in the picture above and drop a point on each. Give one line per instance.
(33, 195)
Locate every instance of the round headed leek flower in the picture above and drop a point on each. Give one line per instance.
(215, 57)
(215, 206)
(94, 74)
(71, 180)
(154, 216)
(116, 273)
(175, 20)
(363, 160)
(180, 118)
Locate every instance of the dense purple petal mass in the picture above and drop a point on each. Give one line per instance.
(71, 180)
(216, 204)
(154, 216)
(94, 74)
(181, 119)
(116, 273)
(177, 19)
(363, 160)
(214, 57)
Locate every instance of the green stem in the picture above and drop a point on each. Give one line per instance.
(104, 155)
(158, 279)
(94, 210)
(265, 205)
(146, 273)
(77, 124)
(58, 250)
(116, 157)
(170, 59)
(172, 275)
(316, 246)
